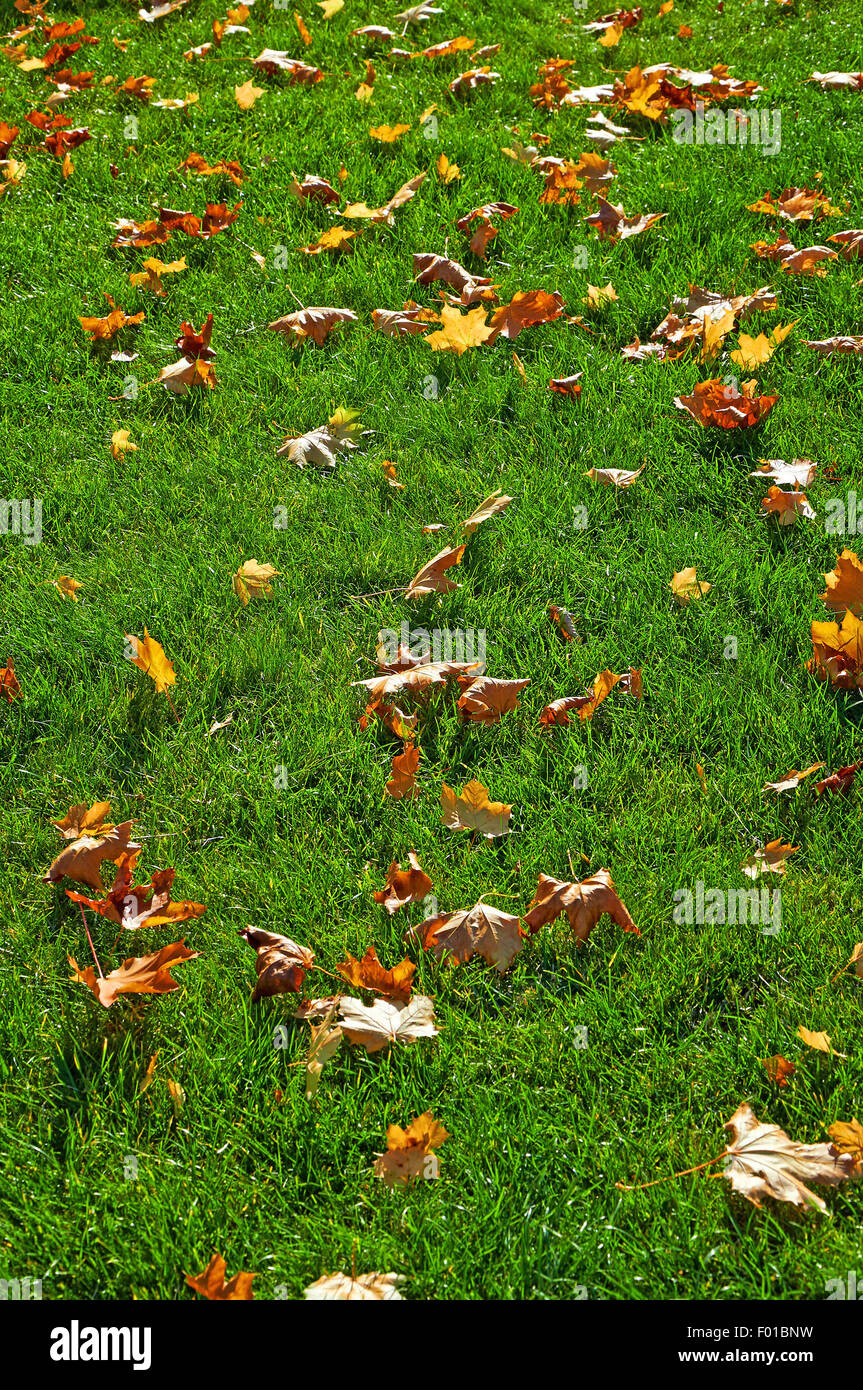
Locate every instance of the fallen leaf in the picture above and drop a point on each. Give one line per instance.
(280, 964)
(211, 1283)
(380, 1024)
(584, 903)
(402, 784)
(471, 809)
(479, 931)
(252, 580)
(137, 975)
(769, 860)
(373, 1288)
(368, 973)
(764, 1162)
(404, 886)
(150, 658)
(408, 1149)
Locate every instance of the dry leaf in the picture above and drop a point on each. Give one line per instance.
(408, 1149)
(252, 580)
(404, 886)
(584, 903)
(432, 577)
(769, 860)
(470, 809)
(480, 931)
(402, 784)
(280, 963)
(150, 658)
(82, 859)
(378, 1025)
(484, 699)
(137, 975)
(764, 1162)
(211, 1283)
(374, 1288)
(368, 973)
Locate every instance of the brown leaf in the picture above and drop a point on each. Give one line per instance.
(769, 860)
(382, 1023)
(484, 699)
(524, 311)
(314, 323)
(211, 1283)
(280, 964)
(404, 886)
(764, 1162)
(137, 975)
(778, 1069)
(368, 973)
(408, 1149)
(82, 859)
(372, 1288)
(584, 903)
(432, 577)
(402, 784)
(79, 820)
(716, 403)
(479, 931)
(471, 809)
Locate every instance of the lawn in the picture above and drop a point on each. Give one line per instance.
(581, 1067)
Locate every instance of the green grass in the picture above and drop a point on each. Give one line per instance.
(678, 1020)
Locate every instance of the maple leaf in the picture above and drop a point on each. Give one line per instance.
(326, 1041)
(252, 580)
(121, 444)
(82, 858)
(196, 164)
(715, 403)
(150, 658)
(418, 680)
(368, 973)
(786, 506)
(850, 242)
(139, 233)
(402, 784)
(418, 14)
(820, 1042)
(404, 886)
(587, 705)
(764, 1162)
(66, 585)
(431, 577)
(563, 621)
(280, 963)
(795, 205)
(524, 311)
(826, 347)
(754, 352)
(838, 79)
(778, 1069)
(141, 906)
(408, 1150)
(388, 134)
(429, 268)
(839, 781)
(447, 171)
(483, 699)
(180, 377)
(103, 329)
(272, 60)
(371, 1288)
(247, 94)
(321, 446)
(769, 860)
(612, 224)
(810, 260)
(460, 331)
(9, 686)
(800, 472)
(686, 587)
(493, 504)
(150, 278)
(137, 975)
(471, 809)
(837, 652)
(385, 214)
(584, 903)
(211, 1283)
(80, 820)
(469, 81)
(479, 931)
(791, 781)
(382, 1023)
(567, 385)
(598, 298)
(334, 239)
(848, 1139)
(615, 477)
(314, 323)
(399, 323)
